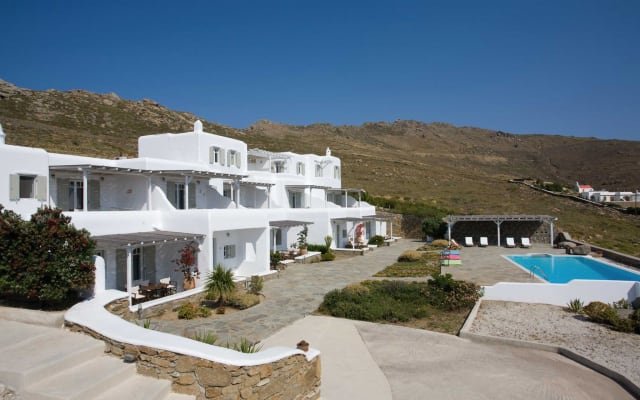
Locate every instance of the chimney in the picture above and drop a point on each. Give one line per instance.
(197, 127)
(2, 135)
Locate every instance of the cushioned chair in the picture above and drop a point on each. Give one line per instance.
(510, 242)
(171, 286)
(525, 242)
(468, 241)
(136, 297)
(484, 242)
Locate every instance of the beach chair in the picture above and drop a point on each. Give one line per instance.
(525, 242)
(511, 242)
(484, 242)
(468, 241)
(136, 296)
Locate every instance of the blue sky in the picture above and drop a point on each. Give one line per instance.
(521, 66)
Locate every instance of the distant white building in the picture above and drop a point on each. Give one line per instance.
(605, 196)
(237, 204)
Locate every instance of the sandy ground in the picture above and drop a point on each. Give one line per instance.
(553, 325)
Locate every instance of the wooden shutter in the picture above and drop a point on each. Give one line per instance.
(121, 269)
(41, 188)
(192, 195)
(149, 263)
(63, 194)
(222, 154)
(212, 154)
(14, 187)
(94, 195)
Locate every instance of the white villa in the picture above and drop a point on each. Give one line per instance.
(605, 196)
(237, 204)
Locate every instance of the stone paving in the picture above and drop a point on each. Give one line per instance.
(297, 292)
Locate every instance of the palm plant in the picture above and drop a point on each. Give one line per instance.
(220, 284)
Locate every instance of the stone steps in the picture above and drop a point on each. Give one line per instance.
(42, 363)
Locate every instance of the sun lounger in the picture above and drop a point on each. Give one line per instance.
(525, 242)
(511, 242)
(468, 241)
(484, 242)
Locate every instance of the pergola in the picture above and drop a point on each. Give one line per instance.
(286, 223)
(499, 219)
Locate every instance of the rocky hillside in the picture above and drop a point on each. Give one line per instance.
(463, 169)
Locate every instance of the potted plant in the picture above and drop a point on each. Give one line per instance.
(302, 240)
(186, 262)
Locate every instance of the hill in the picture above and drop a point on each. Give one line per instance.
(463, 169)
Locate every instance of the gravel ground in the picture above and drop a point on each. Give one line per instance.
(552, 325)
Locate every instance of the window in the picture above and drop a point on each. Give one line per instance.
(295, 199)
(278, 234)
(233, 159)
(336, 172)
(214, 155)
(278, 167)
(226, 190)
(230, 251)
(136, 262)
(318, 170)
(300, 168)
(75, 195)
(27, 187)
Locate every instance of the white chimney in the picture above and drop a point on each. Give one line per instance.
(328, 152)
(197, 127)
(2, 135)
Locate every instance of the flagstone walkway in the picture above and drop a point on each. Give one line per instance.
(297, 292)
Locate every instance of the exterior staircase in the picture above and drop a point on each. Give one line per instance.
(43, 363)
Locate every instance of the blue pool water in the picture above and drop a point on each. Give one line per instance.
(562, 269)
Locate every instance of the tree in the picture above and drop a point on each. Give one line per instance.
(433, 226)
(45, 260)
(220, 283)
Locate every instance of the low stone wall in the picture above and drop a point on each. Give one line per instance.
(121, 307)
(290, 378)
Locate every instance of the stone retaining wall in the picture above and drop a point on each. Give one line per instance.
(290, 378)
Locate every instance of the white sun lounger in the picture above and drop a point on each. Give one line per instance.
(511, 242)
(484, 242)
(525, 242)
(468, 241)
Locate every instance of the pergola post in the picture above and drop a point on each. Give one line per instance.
(498, 223)
(129, 271)
(551, 233)
(85, 189)
(187, 181)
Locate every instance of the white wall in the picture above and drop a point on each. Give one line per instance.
(24, 161)
(561, 293)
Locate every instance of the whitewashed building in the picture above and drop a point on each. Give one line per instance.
(237, 204)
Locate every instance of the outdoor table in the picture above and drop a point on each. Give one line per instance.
(155, 290)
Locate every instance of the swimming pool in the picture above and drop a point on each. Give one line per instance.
(562, 269)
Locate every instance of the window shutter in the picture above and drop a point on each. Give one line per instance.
(212, 154)
(171, 193)
(238, 161)
(149, 263)
(94, 195)
(229, 154)
(121, 269)
(14, 187)
(41, 188)
(63, 194)
(192, 195)
(222, 154)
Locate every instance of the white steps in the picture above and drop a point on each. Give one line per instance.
(41, 363)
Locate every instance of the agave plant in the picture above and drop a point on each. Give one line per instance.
(220, 284)
(206, 337)
(575, 306)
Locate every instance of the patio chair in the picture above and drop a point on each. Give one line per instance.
(510, 242)
(468, 241)
(484, 242)
(136, 297)
(171, 286)
(525, 242)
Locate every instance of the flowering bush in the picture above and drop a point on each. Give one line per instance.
(186, 261)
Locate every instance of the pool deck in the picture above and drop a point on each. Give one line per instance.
(485, 265)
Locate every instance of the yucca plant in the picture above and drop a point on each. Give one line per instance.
(575, 306)
(220, 284)
(245, 346)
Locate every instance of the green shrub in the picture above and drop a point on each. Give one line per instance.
(241, 300)
(245, 346)
(575, 306)
(317, 247)
(275, 257)
(327, 242)
(409, 255)
(376, 240)
(256, 284)
(635, 317)
(328, 256)
(446, 293)
(203, 312)
(440, 243)
(621, 304)
(624, 325)
(187, 311)
(46, 260)
(601, 313)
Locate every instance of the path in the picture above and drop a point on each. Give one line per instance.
(298, 292)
